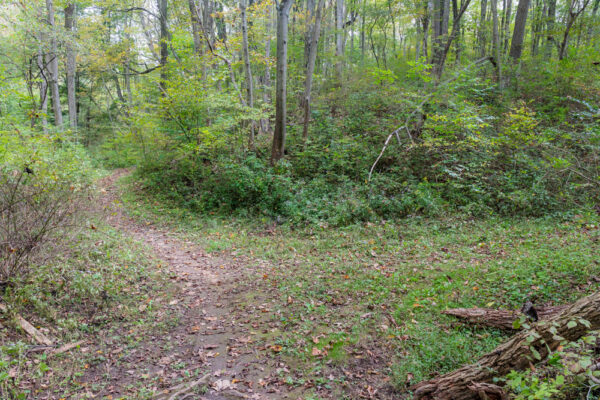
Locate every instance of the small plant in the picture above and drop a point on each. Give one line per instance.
(34, 213)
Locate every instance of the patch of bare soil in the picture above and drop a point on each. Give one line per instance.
(212, 352)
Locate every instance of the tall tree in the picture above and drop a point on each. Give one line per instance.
(576, 8)
(283, 16)
(444, 46)
(247, 69)
(310, 67)
(71, 65)
(516, 44)
(481, 31)
(339, 38)
(196, 28)
(550, 20)
(441, 13)
(52, 63)
(164, 38)
(266, 78)
(506, 25)
(496, 42)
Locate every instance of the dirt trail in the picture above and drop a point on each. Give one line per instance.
(210, 337)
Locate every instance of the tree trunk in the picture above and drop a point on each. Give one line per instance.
(339, 38)
(196, 30)
(517, 353)
(52, 62)
(310, 68)
(283, 16)
(71, 67)
(516, 45)
(418, 38)
(481, 33)
(593, 25)
(550, 42)
(43, 82)
(441, 13)
(571, 18)
(496, 43)
(506, 28)
(264, 123)
(442, 52)
(43, 87)
(362, 32)
(247, 69)
(164, 37)
(500, 319)
(427, 9)
(310, 14)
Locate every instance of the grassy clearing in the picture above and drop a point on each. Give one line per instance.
(379, 288)
(105, 290)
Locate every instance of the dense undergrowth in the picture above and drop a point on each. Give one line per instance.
(530, 150)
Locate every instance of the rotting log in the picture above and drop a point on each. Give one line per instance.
(523, 349)
(501, 319)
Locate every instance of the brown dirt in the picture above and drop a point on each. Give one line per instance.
(212, 335)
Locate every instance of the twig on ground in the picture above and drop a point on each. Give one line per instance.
(27, 327)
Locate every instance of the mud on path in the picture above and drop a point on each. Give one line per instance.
(211, 352)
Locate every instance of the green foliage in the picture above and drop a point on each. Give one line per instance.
(566, 374)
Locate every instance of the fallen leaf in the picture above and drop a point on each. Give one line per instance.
(222, 384)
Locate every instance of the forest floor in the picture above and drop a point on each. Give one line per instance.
(241, 308)
(214, 350)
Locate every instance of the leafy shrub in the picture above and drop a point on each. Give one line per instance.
(41, 193)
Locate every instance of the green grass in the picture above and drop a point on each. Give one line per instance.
(92, 289)
(383, 286)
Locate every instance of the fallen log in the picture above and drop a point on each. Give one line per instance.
(27, 327)
(501, 319)
(524, 348)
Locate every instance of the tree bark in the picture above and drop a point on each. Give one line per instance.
(196, 30)
(164, 38)
(248, 70)
(283, 16)
(339, 38)
(264, 123)
(516, 45)
(310, 68)
(481, 34)
(362, 31)
(506, 28)
(517, 353)
(571, 18)
(52, 63)
(442, 53)
(43, 85)
(71, 67)
(310, 14)
(593, 26)
(496, 42)
(551, 17)
(500, 319)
